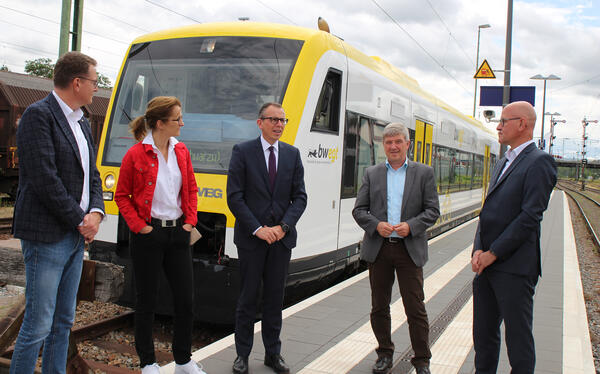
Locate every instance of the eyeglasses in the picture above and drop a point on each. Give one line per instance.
(178, 120)
(283, 121)
(504, 120)
(94, 81)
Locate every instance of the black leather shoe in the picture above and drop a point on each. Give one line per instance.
(382, 365)
(240, 365)
(277, 363)
(423, 370)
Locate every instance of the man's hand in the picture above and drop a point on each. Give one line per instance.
(486, 259)
(187, 227)
(475, 261)
(90, 225)
(384, 229)
(267, 234)
(402, 229)
(278, 232)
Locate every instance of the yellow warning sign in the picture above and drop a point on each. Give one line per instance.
(485, 71)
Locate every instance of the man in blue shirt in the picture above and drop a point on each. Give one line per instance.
(395, 205)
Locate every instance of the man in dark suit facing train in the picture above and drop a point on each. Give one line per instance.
(59, 206)
(265, 193)
(395, 205)
(506, 249)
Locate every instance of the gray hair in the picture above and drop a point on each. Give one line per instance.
(395, 129)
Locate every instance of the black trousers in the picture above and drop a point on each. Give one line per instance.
(393, 259)
(266, 264)
(497, 297)
(163, 249)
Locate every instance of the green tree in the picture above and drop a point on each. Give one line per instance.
(4, 68)
(104, 81)
(40, 67)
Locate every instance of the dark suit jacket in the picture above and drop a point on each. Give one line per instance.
(50, 174)
(420, 209)
(509, 222)
(250, 198)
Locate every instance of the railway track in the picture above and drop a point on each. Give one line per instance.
(593, 208)
(5, 225)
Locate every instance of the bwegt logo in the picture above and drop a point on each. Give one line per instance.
(215, 193)
(324, 153)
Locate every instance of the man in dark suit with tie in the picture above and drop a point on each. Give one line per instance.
(59, 206)
(395, 205)
(265, 193)
(506, 249)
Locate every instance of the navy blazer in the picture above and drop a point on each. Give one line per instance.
(509, 222)
(250, 198)
(50, 174)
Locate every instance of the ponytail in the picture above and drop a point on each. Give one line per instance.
(158, 108)
(138, 128)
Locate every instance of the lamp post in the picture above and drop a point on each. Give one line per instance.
(550, 77)
(477, 63)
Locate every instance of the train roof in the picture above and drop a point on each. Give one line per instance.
(325, 39)
(22, 90)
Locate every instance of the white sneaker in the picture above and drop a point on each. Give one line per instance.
(151, 369)
(192, 367)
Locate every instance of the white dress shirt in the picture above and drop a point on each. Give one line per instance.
(267, 153)
(512, 154)
(166, 202)
(73, 117)
(265, 146)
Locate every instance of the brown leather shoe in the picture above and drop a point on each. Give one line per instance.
(277, 363)
(240, 365)
(382, 365)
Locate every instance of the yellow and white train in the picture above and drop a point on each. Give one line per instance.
(337, 100)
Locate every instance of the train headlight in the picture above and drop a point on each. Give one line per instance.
(109, 181)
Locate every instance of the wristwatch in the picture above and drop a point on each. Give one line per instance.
(284, 227)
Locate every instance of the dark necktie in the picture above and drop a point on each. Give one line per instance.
(272, 167)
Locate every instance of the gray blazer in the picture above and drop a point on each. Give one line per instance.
(420, 209)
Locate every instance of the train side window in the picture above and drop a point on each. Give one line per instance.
(478, 171)
(411, 151)
(350, 156)
(326, 117)
(365, 150)
(378, 142)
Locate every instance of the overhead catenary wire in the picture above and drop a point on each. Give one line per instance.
(172, 11)
(116, 19)
(420, 46)
(273, 10)
(469, 58)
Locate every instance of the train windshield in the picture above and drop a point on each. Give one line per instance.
(221, 82)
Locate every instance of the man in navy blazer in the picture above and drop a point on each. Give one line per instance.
(265, 193)
(59, 206)
(506, 249)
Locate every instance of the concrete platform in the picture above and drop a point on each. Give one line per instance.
(330, 332)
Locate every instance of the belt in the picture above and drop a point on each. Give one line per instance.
(393, 240)
(166, 222)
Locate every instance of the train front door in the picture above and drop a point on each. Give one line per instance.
(423, 142)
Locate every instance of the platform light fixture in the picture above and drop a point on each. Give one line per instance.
(550, 77)
(485, 26)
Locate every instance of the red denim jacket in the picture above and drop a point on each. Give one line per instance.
(137, 181)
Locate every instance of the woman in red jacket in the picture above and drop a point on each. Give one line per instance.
(157, 196)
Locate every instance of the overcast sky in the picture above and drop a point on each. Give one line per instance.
(434, 41)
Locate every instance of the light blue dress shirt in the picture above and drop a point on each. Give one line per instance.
(395, 192)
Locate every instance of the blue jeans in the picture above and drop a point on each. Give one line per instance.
(53, 271)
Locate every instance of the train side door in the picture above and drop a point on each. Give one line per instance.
(423, 142)
(486, 172)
